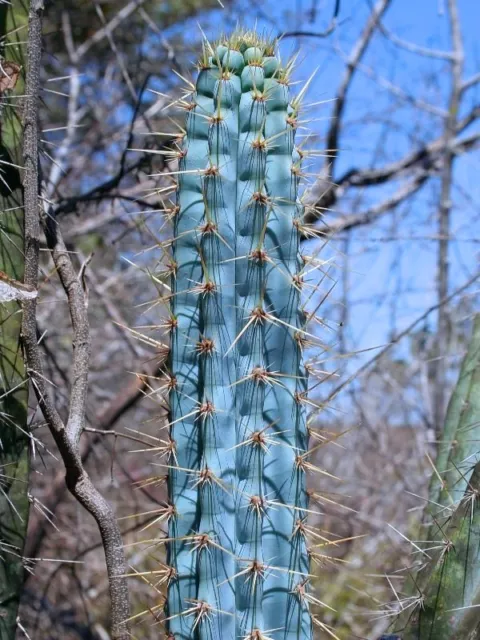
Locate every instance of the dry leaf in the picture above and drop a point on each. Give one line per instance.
(11, 289)
(9, 72)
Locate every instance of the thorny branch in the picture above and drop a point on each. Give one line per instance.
(67, 436)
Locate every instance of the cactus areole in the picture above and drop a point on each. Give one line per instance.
(237, 548)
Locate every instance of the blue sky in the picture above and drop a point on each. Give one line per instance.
(371, 272)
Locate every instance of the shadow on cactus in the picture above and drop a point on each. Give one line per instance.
(238, 543)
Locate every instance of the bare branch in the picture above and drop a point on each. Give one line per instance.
(110, 27)
(423, 160)
(399, 336)
(412, 47)
(401, 93)
(444, 212)
(113, 47)
(66, 437)
(81, 330)
(125, 399)
(470, 82)
(352, 64)
(75, 114)
(370, 215)
(315, 34)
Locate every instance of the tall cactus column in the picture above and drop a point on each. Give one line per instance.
(237, 542)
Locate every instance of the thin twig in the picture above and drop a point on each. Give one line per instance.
(315, 34)
(444, 211)
(323, 189)
(110, 27)
(105, 420)
(399, 336)
(426, 52)
(352, 63)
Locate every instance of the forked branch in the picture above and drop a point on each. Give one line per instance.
(66, 435)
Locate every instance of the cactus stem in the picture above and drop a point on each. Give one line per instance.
(238, 188)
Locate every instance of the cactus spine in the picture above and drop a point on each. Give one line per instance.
(237, 547)
(444, 596)
(14, 462)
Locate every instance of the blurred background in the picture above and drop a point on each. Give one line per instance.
(392, 117)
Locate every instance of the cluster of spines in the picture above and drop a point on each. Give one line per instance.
(237, 556)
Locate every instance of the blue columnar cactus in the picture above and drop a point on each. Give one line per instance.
(237, 542)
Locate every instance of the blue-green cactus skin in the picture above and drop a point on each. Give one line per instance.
(237, 544)
(250, 278)
(284, 477)
(185, 397)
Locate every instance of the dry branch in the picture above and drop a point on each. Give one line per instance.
(67, 436)
(105, 420)
(444, 212)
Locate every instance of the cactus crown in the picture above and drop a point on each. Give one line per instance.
(243, 39)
